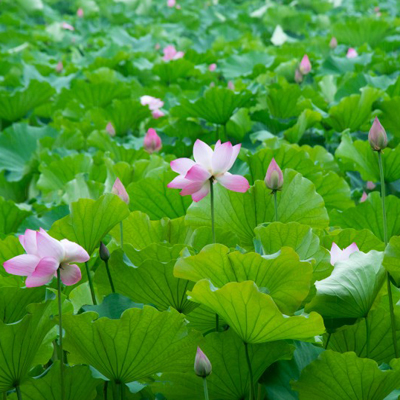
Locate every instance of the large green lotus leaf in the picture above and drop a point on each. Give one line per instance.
(358, 156)
(391, 259)
(230, 378)
(15, 106)
(14, 301)
(81, 188)
(152, 196)
(14, 158)
(283, 276)
(356, 32)
(341, 116)
(21, 343)
(170, 72)
(351, 289)
(89, 220)
(346, 377)
(216, 106)
(368, 215)
(78, 381)
(306, 120)
(9, 248)
(203, 320)
(354, 337)
(277, 378)
(253, 315)
(149, 281)
(11, 216)
(299, 237)
(390, 118)
(141, 343)
(283, 101)
(241, 213)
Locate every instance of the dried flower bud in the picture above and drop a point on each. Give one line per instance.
(104, 253)
(377, 136)
(274, 177)
(202, 365)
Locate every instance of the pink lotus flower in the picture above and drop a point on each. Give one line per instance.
(152, 142)
(157, 114)
(170, 53)
(80, 13)
(67, 26)
(44, 255)
(212, 67)
(341, 255)
(371, 185)
(333, 43)
(154, 105)
(110, 129)
(59, 67)
(351, 53)
(298, 76)
(377, 136)
(231, 85)
(119, 189)
(157, 46)
(202, 365)
(171, 3)
(305, 65)
(274, 177)
(363, 197)
(195, 177)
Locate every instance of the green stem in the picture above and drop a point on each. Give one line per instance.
(276, 206)
(385, 237)
(121, 231)
(60, 334)
(105, 390)
(122, 391)
(109, 276)
(260, 394)
(328, 340)
(90, 284)
(225, 133)
(205, 389)
(212, 209)
(251, 385)
(367, 334)
(118, 386)
(19, 395)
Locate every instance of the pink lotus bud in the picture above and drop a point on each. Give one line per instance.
(202, 365)
(377, 136)
(178, 7)
(171, 3)
(157, 114)
(120, 191)
(351, 53)
(110, 129)
(305, 65)
(333, 43)
(274, 177)
(212, 84)
(363, 197)
(67, 26)
(231, 86)
(212, 67)
(157, 46)
(152, 142)
(104, 252)
(371, 185)
(80, 13)
(59, 67)
(298, 77)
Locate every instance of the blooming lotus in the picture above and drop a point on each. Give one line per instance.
(170, 53)
(152, 142)
(210, 166)
(119, 190)
(351, 53)
(341, 255)
(44, 256)
(154, 105)
(305, 65)
(171, 3)
(371, 185)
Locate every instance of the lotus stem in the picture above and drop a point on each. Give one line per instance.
(251, 386)
(18, 389)
(276, 205)
(60, 339)
(109, 276)
(206, 397)
(105, 390)
(212, 209)
(328, 340)
(260, 394)
(385, 237)
(91, 284)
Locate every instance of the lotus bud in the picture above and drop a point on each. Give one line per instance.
(67, 26)
(333, 43)
(377, 136)
(59, 67)
(80, 13)
(104, 253)
(212, 67)
(363, 197)
(152, 142)
(202, 365)
(371, 185)
(298, 77)
(305, 65)
(120, 191)
(157, 46)
(231, 85)
(171, 3)
(110, 129)
(351, 53)
(274, 177)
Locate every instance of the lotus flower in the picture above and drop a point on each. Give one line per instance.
(110, 129)
(212, 67)
(152, 142)
(120, 191)
(371, 185)
(305, 65)
(377, 136)
(202, 365)
(59, 67)
(363, 197)
(351, 53)
(231, 85)
(274, 177)
(154, 105)
(157, 46)
(80, 13)
(341, 255)
(67, 26)
(104, 252)
(298, 76)
(157, 114)
(44, 255)
(171, 3)
(170, 53)
(195, 177)
(333, 43)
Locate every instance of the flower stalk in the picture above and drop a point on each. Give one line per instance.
(60, 339)
(251, 385)
(206, 397)
(91, 284)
